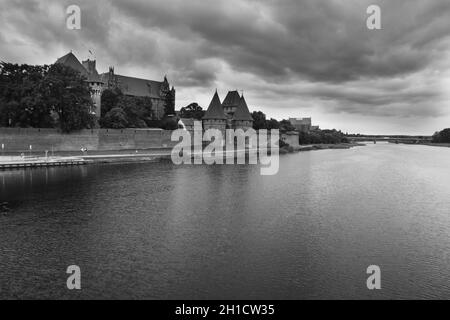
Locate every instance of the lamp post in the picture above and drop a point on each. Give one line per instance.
(3, 149)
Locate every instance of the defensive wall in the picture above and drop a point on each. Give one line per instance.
(20, 139)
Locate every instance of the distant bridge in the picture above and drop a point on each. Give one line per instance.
(395, 139)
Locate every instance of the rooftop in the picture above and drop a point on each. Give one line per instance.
(215, 109)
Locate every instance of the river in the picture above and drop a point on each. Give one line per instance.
(159, 231)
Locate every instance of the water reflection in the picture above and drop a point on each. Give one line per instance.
(160, 231)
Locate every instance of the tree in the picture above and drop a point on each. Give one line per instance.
(68, 94)
(192, 111)
(138, 110)
(322, 136)
(259, 120)
(114, 119)
(445, 136)
(285, 125)
(109, 99)
(272, 124)
(22, 102)
(436, 137)
(442, 137)
(304, 138)
(169, 123)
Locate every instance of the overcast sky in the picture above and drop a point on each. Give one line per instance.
(292, 58)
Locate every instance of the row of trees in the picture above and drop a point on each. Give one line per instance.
(44, 97)
(58, 96)
(322, 136)
(260, 122)
(313, 137)
(121, 111)
(442, 136)
(192, 111)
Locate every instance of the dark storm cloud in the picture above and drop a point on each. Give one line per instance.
(319, 50)
(320, 40)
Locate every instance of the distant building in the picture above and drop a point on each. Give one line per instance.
(233, 113)
(157, 91)
(301, 124)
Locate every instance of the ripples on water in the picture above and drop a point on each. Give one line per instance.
(226, 232)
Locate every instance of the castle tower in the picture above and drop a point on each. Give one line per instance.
(215, 117)
(230, 105)
(242, 119)
(95, 83)
(87, 69)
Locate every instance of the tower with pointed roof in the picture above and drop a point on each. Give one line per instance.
(242, 119)
(233, 113)
(236, 110)
(231, 103)
(89, 71)
(215, 117)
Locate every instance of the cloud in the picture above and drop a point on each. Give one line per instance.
(314, 53)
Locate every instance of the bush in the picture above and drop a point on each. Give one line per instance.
(442, 137)
(114, 119)
(169, 124)
(322, 137)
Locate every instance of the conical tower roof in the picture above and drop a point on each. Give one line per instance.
(215, 110)
(232, 99)
(242, 113)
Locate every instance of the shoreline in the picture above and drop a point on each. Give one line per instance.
(325, 146)
(126, 156)
(430, 144)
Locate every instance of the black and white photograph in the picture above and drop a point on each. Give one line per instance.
(224, 150)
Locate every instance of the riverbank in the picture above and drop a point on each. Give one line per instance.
(442, 145)
(313, 147)
(62, 158)
(124, 156)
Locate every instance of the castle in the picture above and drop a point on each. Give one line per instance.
(233, 113)
(158, 92)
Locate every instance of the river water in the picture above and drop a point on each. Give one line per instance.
(159, 231)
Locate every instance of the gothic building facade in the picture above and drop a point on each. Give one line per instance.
(159, 92)
(233, 113)
(87, 69)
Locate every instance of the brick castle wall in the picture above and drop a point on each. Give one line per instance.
(20, 139)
